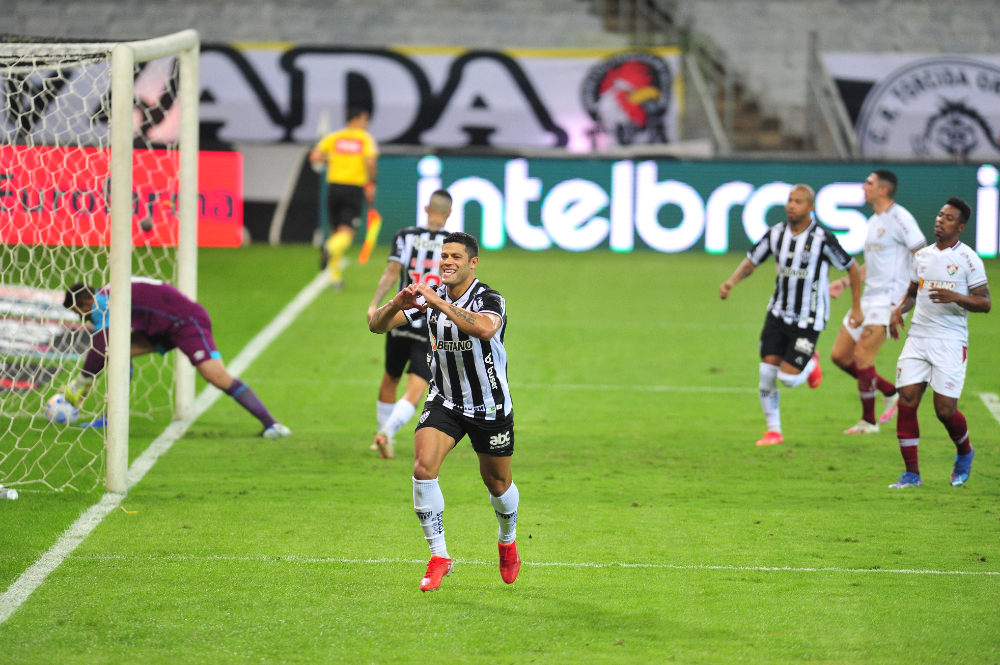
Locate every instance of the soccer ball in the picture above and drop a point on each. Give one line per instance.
(58, 410)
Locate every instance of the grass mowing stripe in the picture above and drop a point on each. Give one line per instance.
(992, 403)
(541, 564)
(597, 387)
(32, 578)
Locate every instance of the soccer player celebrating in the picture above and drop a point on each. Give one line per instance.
(800, 306)
(415, 256)
(351, 156)
(893, 237)
(163, 318)
(947, 281)
(469, 396)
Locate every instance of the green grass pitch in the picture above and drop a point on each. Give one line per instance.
(651, 527)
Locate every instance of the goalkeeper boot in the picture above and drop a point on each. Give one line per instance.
(437, 568)
(963, 467)
(907, 480)
(510, 562)
(384, 444)
(771, 438)
(276, 431)
(891, 406)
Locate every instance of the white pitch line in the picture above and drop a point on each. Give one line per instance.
(992, 403)
(541, 564)
(32, 578)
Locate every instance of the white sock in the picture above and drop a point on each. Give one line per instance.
(382, 411)
(428, 503)
(793, 380)
(770, 398)
(505, 507)
(401, 414)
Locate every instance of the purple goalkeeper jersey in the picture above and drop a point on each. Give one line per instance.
(163, 314)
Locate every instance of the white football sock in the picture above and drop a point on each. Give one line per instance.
(401, 413)
(428, 503)
(505, 507)
(770, 398)
(382, 411)
(793, 380)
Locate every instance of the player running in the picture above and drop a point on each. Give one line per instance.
(893, 237)
(163, 318)
(947, 281)
(800, 305)
(415, 256)
(351, 158)
(469, 396)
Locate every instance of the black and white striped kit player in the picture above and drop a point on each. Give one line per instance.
(469, 375)
(801, 295)
(419, 252)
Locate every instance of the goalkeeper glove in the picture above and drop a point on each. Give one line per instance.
(77, 390)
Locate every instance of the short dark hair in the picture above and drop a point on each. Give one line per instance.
(77, 293)
(965, 211)
(443, 193)
(354, 111)
(888, 178)
(471, 245)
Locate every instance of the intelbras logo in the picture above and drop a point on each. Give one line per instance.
(942, 107)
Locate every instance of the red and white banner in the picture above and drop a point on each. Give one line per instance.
(60, 196)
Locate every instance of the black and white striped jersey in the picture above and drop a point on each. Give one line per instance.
(469, 375)
(802, 289)
(419, 252)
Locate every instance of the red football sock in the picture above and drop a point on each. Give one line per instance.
(852, 370)
(884, 386)
(866, 389)
(958, 430)
(908, 433)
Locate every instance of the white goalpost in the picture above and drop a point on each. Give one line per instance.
(98, 184)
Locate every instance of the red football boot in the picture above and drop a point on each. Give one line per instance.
(771, 438)
(437, 568)
(815, 376)
(510, 562)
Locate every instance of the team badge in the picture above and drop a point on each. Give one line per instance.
(628, 96)
(952, 269)
(880, 232)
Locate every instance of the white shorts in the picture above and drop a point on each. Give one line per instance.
(877, 312)
(940, 362)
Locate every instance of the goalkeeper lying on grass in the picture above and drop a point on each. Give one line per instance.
(163, 318)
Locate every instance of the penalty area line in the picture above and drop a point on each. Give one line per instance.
(32, 578)
(540, 564)
(992, 402)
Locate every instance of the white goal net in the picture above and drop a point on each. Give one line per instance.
(70, 122)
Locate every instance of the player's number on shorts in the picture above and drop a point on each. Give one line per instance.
(430, 279)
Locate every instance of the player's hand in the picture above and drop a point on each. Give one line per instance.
(942, 296)
(427, 291)
(407, 298)
(896, 323)
(836, 288)
(371, 311)
(857, 318)
(725, 289)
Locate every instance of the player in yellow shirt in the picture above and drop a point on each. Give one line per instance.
(350, 156)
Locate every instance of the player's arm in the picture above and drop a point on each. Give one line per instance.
(392, 315)
(838, 285)
(896, 322)
(481, 326)
(744, 270)
(390, 277)
(978, 299)
(854, 276)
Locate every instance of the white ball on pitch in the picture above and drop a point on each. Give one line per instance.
(58, 410)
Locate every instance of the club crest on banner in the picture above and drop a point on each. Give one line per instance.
(629, 97)
(943, 107)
